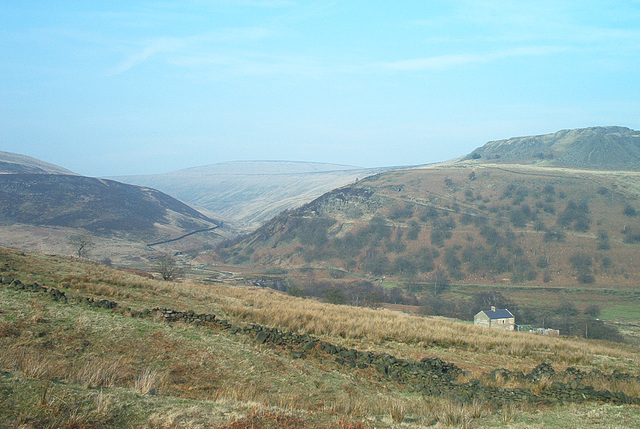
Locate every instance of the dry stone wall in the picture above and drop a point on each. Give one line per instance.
(430, 376)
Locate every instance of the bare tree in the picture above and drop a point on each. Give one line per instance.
(82, 243)
(168, 268)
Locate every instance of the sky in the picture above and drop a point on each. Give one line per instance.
(108, 88)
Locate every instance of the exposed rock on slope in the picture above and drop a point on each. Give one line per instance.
(601, 148)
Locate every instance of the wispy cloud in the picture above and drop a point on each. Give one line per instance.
(448, 61)
(155, 47)
(431, 63)
(193, 47)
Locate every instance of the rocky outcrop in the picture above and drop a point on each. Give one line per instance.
(602, 148)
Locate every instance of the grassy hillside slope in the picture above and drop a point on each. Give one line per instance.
(83, 345)
(104, 207)
(480, 223)
(540, 236)
(45, 211)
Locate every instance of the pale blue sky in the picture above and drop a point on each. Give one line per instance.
(134, 87)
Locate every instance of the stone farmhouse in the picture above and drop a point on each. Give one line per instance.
(500, 319)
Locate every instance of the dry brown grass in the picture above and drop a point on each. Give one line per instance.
(379, 327)
(358, 326)
(361, 326)
(92, 348)
(34, 365)
(150, 381)
(101, 371)
(266, 419)
(631, 387)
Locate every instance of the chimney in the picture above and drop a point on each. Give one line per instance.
(493, 308)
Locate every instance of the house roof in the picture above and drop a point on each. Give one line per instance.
(498, 314)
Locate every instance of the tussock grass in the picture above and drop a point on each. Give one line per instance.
(34, 366)
(630, 387)
(367, 327)
(101, 371)
(150, 381)
(379, 327)
(52, 354)
(397, 411)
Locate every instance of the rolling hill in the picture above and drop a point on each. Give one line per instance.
(42, 210)
(516, 220)
(16, 163)
(103, 207)
(251, 192)
(599, 148)
(438, 236)
(406, 222)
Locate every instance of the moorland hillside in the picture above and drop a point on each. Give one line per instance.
(84, 345)
(598, 148)
(15, 163)
(436, 237)
(479, 223)
(45, 206)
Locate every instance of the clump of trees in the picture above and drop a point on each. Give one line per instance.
(631, 236)
(357, 293)
(629, 210)
(603, 240)
(576, 216)
(582, 263)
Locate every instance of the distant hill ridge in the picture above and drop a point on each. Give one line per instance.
(601, 148)
(262, 168)
(11, 163)
(248, 193)
(43, 203)
(101, 206)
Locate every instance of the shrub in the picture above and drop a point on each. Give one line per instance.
(603, 240)
(631, 236)
(576, 215)
(169, 270)
(451, 260)
(629, 211)
(554, 235)
(567, 308)
(581, 262)
(592, 310)
(438, 236)
(405, 267)
(401, 211)
(414, 230)
(335, 296)
(337, 274)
